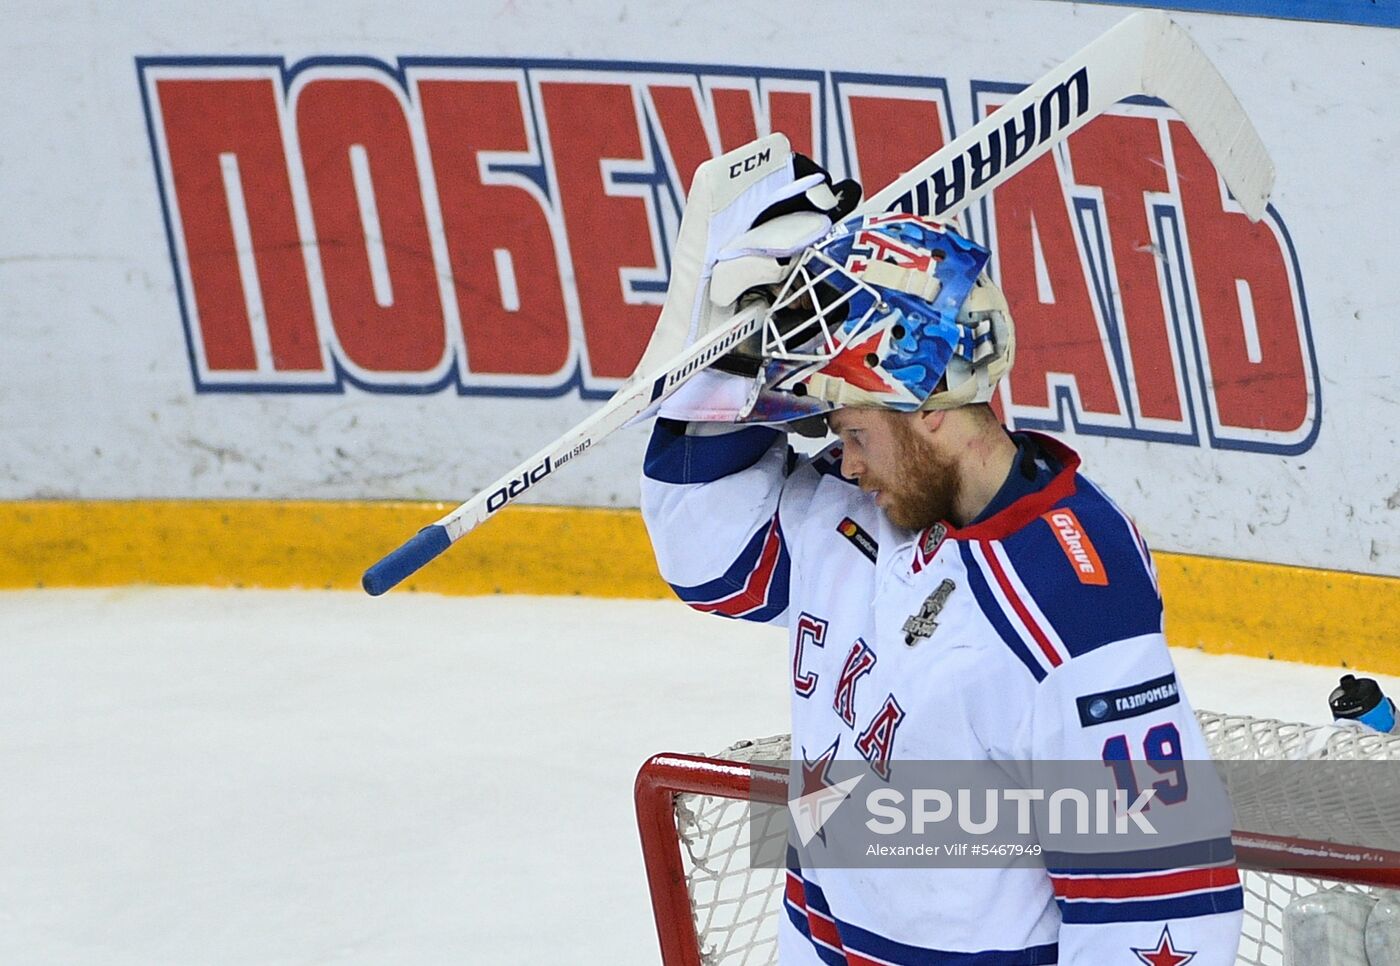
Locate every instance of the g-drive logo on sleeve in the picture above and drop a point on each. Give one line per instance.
(1077, 547)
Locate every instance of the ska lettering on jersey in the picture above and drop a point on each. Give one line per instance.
(431, 226)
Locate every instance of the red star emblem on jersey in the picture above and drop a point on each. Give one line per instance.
(814, 773)
(850, 366)
(1165, 954)
(816, 778)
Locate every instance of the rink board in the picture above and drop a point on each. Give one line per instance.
(1222, 606)
(343, 254)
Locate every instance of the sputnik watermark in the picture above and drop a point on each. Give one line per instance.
(931, 806)
(846, 813)
(894, 812)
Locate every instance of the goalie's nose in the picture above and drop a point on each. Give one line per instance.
(852, 466)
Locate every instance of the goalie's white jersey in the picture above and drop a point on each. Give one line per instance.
(1034, 633)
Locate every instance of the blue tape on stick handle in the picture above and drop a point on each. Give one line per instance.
(405, 561)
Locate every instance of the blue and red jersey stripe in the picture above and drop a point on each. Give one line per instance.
(1149, 887)
(755, 587)
(840, 943)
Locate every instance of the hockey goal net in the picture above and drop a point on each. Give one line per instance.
(713, 909)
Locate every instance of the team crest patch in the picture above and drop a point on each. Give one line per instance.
(861, 540)
(1130, 702)
(929, 543)
(933, 536)
(919, 626)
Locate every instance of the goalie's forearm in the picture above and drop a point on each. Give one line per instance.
(710, 502)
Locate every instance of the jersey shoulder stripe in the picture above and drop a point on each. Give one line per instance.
(991, 608)
(755, 587)
(1019, 605)
(1081, 573)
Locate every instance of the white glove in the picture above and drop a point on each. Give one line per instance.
(726, 195)
(755, 259)
(748, 243)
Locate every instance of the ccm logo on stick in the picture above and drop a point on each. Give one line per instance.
(1077, 547)
(518, 486)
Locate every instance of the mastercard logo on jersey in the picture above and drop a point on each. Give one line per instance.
(1077, 547)
(859, 538)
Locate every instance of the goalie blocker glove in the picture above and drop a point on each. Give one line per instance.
(757, 262)
(754, 264)
(749, 212)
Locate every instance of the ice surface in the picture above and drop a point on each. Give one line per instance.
(307, 777)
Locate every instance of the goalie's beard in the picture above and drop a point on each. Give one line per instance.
(924, 484)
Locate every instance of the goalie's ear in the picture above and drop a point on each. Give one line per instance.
(835, 200)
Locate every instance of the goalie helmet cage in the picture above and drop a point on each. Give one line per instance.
(713, 909)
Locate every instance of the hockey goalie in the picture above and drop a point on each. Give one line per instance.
(952, 591)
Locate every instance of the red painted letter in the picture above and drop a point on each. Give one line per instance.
(393, 323)
(890, 135)
(590, 125)
(1258, 376)
(204, 119)
(1056, 334)
(1123, 156)
(530, 337)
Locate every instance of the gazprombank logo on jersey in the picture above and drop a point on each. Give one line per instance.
(504, 227)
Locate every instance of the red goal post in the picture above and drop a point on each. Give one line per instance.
(661, 780)
(711, 908)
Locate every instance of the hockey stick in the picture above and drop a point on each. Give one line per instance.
(1145, 54)
(631, 400)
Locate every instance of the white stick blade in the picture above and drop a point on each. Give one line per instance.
(1178, 72)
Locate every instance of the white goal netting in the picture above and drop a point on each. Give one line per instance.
(736, 907)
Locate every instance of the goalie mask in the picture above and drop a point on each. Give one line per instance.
(892, 311)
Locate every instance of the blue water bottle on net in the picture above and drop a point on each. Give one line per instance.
(1361, 700)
